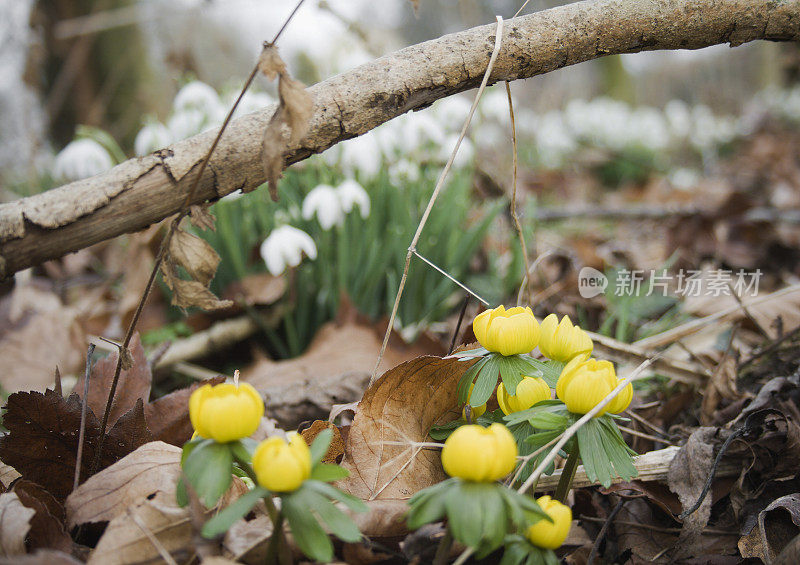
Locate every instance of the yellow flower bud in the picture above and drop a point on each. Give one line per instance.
(282, 466)
(561, 341)
(225, 412)
(529, 391)
(481, 455)
(585, 382)
(507, 332)
(550, 535)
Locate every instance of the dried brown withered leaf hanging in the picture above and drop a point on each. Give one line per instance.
(186, 294)
(270, 63)
(290, 121)
(201, 217)
(195, 255)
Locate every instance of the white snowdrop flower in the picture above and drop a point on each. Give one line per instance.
(684, 179)
(419, 130)
(197, 96)
(81, 159)
(323, 202)
(494, 106)
(186, 123)
(362, 154)
(251, 102)
(402, 171)
(466, 152)
(452, 111)
(151, 137)
(679, 118)
(284, 247)
(351, 194)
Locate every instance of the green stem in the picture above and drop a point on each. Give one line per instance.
(443, 550)
(567, 474)
(277, 548)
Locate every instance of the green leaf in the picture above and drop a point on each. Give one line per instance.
(486, 382)
(220, 523)
(241, 451)
(319, 447)
(494, 518)
(469, 353)
(337, 521)
(306, 531)
(550, 369)
(428, 505)
(467, 379)
(208, 469)
(464, 512)
(595, 460)
(352, 502)
(544, 420)
(555, 406)
(328, 472)
(510, 373)
(441, 433)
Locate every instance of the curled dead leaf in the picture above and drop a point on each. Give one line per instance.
(270, 63)
(201, 218)
(154, 467)
(299, 106)
(186, 294)
(395, 413)
(15, 521)
(195, 255)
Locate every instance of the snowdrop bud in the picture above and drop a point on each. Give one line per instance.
(481, 455)
(563, 341)
(285, 247)
(323, 202)
(529, 391)
(197, 96)
(81, 159)
(351, 193)
(281, 465)
(550, 535)
(508, 332)
(186, 123)
(151, 137)
(225, 412)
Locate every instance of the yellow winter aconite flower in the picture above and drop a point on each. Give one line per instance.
(481, 455)
(225, 412)
(282, 466)
(507, 332)
(561, 341)
(550, 535)
(529, 391)
(585, 382)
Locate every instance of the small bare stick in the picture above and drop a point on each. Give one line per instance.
(526, 278)
(84, 407)
(498, 41)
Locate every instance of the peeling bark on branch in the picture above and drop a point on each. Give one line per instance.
(142, 191)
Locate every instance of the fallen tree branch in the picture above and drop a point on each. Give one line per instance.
(142, 191)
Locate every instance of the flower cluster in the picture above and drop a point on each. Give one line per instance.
(584, 382)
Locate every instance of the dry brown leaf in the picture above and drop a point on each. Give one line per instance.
(195, 255)
(43, 438)
(154, 467)
(15, 521)
(335, 369)
(270, 63)
(133, 384)
(47, 526)
(246, 539)
(385, 518)
(299, 106)
(126, 539)
(201, 218)
(42, 557)
(272, 149)
(186, 294)
(8, 474)
(335, 449)
(261, 289)
(168, 417)
(400, 408)
(37, 332)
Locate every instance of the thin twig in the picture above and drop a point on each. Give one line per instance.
(458, 325)
(770, 348)
(686, 513)
(603, 531)
(643, 435)
(165, 244)
(525, 458)
(162, 551)
(84, 408)
(498, 41)
(646, 423)
(525, 284)
(747, 313)
(659, 529)
(449, 276)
